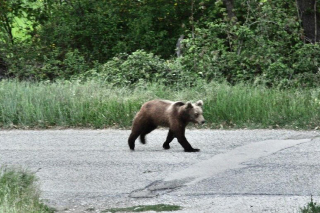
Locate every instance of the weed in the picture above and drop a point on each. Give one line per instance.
(311, 207)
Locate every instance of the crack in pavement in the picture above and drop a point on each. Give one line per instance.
(158, 188)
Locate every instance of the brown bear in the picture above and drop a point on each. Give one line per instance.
(175, 115)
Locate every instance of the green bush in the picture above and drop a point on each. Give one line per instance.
(263, 44)
(22, 60)
(264, 47)
(102, 29)
(141, 66)
(26, 62)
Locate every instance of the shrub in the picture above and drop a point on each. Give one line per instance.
(28, 62)
(141, 66)
(263, 46)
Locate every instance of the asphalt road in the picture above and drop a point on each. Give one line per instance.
(235, 171)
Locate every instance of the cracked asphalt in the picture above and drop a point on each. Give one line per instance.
(235, 171)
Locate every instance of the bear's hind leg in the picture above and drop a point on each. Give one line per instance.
(170, 137)
(146, 131)
(133, 136)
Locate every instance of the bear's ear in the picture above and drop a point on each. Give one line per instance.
(199, 103)
(189, 105)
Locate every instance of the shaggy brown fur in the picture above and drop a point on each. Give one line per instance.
(175, 115)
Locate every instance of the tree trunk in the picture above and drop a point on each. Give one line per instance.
(3, 68)
(307, 10)
(7, 27)
(229, 6)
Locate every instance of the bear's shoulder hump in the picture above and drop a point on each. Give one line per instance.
(179, 103)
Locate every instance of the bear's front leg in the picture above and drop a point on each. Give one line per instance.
(192, 150)
(186, 145)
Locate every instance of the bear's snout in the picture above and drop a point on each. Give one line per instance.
(199, 121)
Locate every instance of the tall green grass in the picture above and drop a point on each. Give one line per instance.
(259, 107)
(93, 104)
(19, 192)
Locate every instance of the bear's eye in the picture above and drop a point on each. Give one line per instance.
(196, 114)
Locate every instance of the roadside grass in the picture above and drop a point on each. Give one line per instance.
(144, 208)
(19, 192)
(94, 104)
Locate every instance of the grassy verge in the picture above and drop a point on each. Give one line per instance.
(95, 105)
(19, 193)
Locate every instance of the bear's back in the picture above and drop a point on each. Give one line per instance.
(159, 112)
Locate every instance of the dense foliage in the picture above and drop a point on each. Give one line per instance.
(126, 42)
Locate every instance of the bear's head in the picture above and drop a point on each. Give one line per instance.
(194, 112)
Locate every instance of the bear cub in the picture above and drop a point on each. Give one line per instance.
(175, 115)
